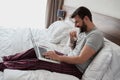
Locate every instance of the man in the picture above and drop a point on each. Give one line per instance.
(88, 43)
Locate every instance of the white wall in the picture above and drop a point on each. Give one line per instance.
(22, 13)
(107, 7)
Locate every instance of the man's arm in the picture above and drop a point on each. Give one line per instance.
(85, 54)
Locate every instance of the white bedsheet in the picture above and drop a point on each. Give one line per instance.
(13, 40)
(36, 75)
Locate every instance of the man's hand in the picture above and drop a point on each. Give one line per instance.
(51, 55)
(73, 39)
(73, 35)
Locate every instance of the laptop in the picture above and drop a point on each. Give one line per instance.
(40, 50)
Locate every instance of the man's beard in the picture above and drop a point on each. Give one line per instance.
(83, 28)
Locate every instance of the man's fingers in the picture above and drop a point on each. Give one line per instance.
(73, 33)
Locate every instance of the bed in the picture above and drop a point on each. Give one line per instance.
(105, 66)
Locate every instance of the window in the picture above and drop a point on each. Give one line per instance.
(22, 13)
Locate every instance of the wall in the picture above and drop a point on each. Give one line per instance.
(22, 13)
(107, 7)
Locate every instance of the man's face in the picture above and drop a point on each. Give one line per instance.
(79, 23)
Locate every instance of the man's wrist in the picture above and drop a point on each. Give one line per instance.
(60, 58)
(73, 42)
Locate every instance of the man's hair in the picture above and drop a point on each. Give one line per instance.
(82, 12)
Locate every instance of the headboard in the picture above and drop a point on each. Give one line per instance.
(108, 25)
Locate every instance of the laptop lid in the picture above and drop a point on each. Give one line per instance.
(38, 54)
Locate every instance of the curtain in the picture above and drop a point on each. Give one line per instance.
(51, 11)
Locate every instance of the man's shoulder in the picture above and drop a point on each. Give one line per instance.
(95, 32)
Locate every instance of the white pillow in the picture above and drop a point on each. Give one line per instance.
(99, 65)
(70, 21)
(58, 31)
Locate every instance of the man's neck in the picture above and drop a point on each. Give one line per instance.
(90, 27)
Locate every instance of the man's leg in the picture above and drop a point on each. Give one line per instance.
(23, 55)
(19, 56)
(35, 64)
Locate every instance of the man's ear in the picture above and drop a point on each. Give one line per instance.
(86, 19)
